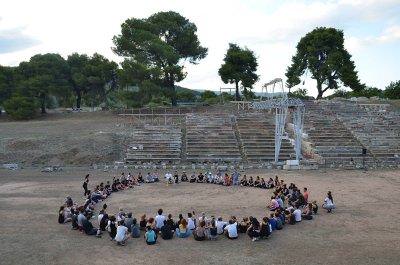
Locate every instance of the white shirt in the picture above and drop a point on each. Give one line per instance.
(121, 232)
(232, 230)
(220, 226)
(328, 202)
(159, 221)
(168, 176)
(297, 215)
(99, 218)
(190, 224)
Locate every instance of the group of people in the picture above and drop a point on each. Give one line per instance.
(288, 205)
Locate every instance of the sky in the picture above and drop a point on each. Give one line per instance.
(271, 28)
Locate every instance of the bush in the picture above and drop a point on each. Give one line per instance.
(186, 96)
(300, 93)
(20, 108)
(208, 95)
(392, 91)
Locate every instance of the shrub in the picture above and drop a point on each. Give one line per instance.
(20, 108)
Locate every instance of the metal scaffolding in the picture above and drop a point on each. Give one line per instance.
(282, 104)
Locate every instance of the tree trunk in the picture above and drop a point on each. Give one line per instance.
(173, 95)
(43, 104)
(237, 91)
(78, 99)
(319, 87)
(43, 108)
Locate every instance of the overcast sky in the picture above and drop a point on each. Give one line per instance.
(270, 28)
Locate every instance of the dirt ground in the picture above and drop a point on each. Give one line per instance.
(363, 230)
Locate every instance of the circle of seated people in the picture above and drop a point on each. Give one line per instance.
(287, 206)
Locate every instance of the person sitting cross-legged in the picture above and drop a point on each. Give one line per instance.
(150, 236)
(182, 231)
(122, 234)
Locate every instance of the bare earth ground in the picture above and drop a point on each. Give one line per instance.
(363, 230)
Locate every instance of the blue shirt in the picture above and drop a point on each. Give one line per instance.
(272, 222)
(150, 236)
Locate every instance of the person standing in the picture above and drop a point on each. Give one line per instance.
(85, 185)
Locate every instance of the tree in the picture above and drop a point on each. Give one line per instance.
(392, 91)
(43, 75)
(20, 107)
(240, 66)
(322, 52)
(7, 83)
(156, 49)
(300, 93)
(94, 76)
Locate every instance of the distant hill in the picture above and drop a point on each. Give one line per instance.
(179, 89)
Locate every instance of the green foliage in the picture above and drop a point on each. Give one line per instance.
(43, 75)
(322, 52)
(207, 94)
(7, 83)
(20, 108)
(392, 91)
(186, 96)
(227, 97)
(300, 93)
(367, 92)
(156, 49)
(240, 66)
(92, 77)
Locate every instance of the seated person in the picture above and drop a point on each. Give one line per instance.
(122, 234)
(272, 222)
(220, 224)
(112, 227)
(128, 221)
(182, 231)
(89, 229)
(149, 178)
(200, 178)
(192, 178)
(257, 182)
(263, 184)
(266, 228)
(297, 215)
(140, 178)
(213, 230)
(290, 217)
(307, 214)
(150, 236)
(210, 178)
(243, 225)
(231, 230)
(219, 179)
(227, 180)
(176, 178)
(184, 177)
(168, 178)
(143, 222)
(328, 203)
(273, 205)
(254, 230)
(200, 232)
(270, 183)
(315, 207)
(155, 177)
(171, 222)
(151, 222)
(166, 231)
(135, 229)
(243, 182)
(251, 182)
